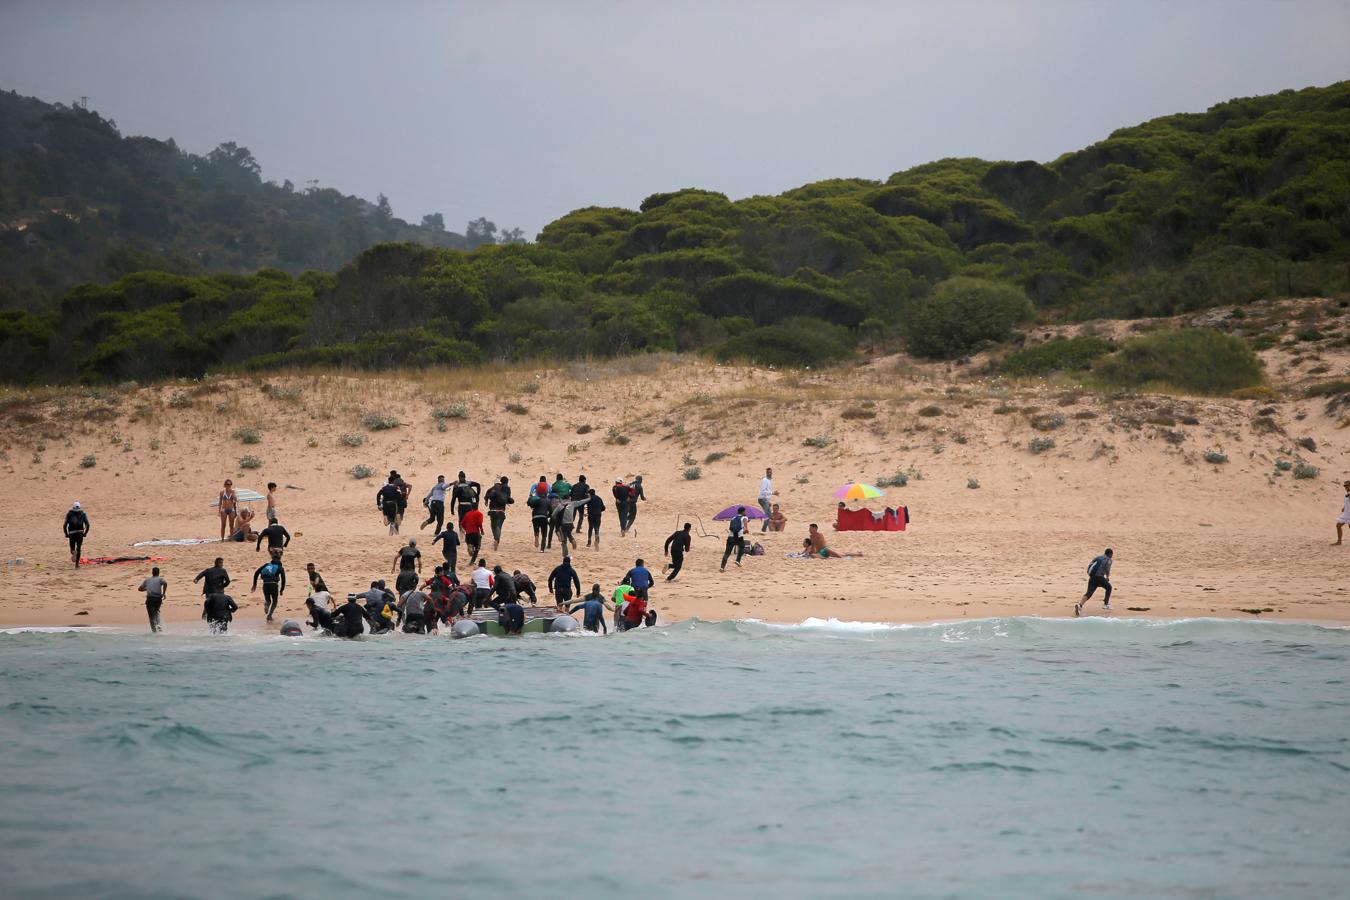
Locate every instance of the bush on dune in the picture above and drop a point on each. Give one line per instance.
(1196, 360)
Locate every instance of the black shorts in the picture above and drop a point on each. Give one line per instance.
(390, 512)
(407, 580)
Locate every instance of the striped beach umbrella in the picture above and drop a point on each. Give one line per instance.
(857, 490)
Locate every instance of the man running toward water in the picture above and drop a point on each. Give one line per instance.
(434, 501)
(472, 523)
(766, 494)
(735, 538)
(412, 605)
(562, 580)
(273, 576)
(539, 505)
(218, 609)
(622, 496)
(449, 545)
(215, 579)
(349, 620)
(594, 605)
(408, 562)
(640, 578)
(76, 528)
(498, 498)
(464, 497)
(677, 545)
(155, 589)
(278, 538)
(595, 509)
(482, 586)
(1342, 521)
(1099, 576)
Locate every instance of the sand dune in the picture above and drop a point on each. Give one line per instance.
(1191, 538)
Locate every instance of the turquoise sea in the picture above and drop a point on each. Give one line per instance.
(993, 758)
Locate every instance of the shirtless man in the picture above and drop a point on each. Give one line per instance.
(818, 546)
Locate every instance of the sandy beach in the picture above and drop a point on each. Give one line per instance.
(1191, 538)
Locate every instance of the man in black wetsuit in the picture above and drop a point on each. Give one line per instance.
(463, 496)
(498, 498)
(562, 580)
(76, 529)
(273, 576)
(581, 491)
(320, 619)
(349, 618)
(215, 579)
(218, 609)
(622, 494)
(677, 545)
(278, 538)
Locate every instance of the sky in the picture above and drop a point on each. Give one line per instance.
(523, 111)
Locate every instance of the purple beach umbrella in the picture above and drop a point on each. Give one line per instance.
(752, 511)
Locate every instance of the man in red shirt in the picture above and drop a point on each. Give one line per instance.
(472, 523)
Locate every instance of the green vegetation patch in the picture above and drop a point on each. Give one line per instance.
(1060, 355)
(1193, 360)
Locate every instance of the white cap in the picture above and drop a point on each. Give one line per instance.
(75, 505)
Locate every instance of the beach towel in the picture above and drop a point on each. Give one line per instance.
(866, 520)
(175, 542)
(109, 560)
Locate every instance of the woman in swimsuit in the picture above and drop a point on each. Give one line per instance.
(229, 504)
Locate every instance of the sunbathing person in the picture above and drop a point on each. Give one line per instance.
(777, 521)
(818, 546)
(243, 526)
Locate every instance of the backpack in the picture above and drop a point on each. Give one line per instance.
(737, 527)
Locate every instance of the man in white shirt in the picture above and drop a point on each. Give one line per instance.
(482, 585)
(434, 501)
(766, 495)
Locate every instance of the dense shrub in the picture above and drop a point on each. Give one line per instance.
(1197, 360)
(792, 342)
(962, 313)
(1059, 355)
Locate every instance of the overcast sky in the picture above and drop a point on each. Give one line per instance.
(522, 111)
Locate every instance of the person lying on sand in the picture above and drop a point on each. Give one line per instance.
(810, 552)
(817, 541)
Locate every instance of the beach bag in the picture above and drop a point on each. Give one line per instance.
(387, 612)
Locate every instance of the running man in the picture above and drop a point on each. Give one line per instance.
(525, 586)
(408, 562)
(449, 545)
(273, 575)
(434, 501)
(386, 501)
(735, 538)
(539, 509)
(76, 529)
(498, 498)
(635, 494)
(278, 538)
(218, 609)
(562, 580)
(412, 606)
(472, 523)
(766, 495)
(677, 545)
(215, 579)
(622, 496)
(1341, 522)
(1099, 576)
(595, 509)
(464, 497)
(640, 577)
(482, 586)
(155, 589)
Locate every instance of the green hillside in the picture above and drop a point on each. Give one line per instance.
(1248, 200)
(81, 202)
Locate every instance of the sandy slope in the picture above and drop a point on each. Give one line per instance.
(1190, 538)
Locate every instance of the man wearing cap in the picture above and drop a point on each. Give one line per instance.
(76, 528)
(408, 561)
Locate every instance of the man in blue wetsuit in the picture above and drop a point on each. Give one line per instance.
(273, 576)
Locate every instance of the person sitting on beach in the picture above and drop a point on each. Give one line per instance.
(320, 619)
(817, 541)
(593, 605)
(777, 521)
(243, 527)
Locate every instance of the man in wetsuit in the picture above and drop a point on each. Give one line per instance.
(218, 609)
(273, 576)
(215, 579)
(735, 538)
(386, 501)
(562, 580)
(155, 589)
(348, 621)
(320, 619)
(595, 509)
(472, 523)
(464, 497)
(449, 540)
(498, 498)
(594, 605)
(677, 545)
(525, 586)
(408, 562)
(278, 538)
(435, 504)
(76, 528)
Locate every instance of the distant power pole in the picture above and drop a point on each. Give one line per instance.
(84, 103)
